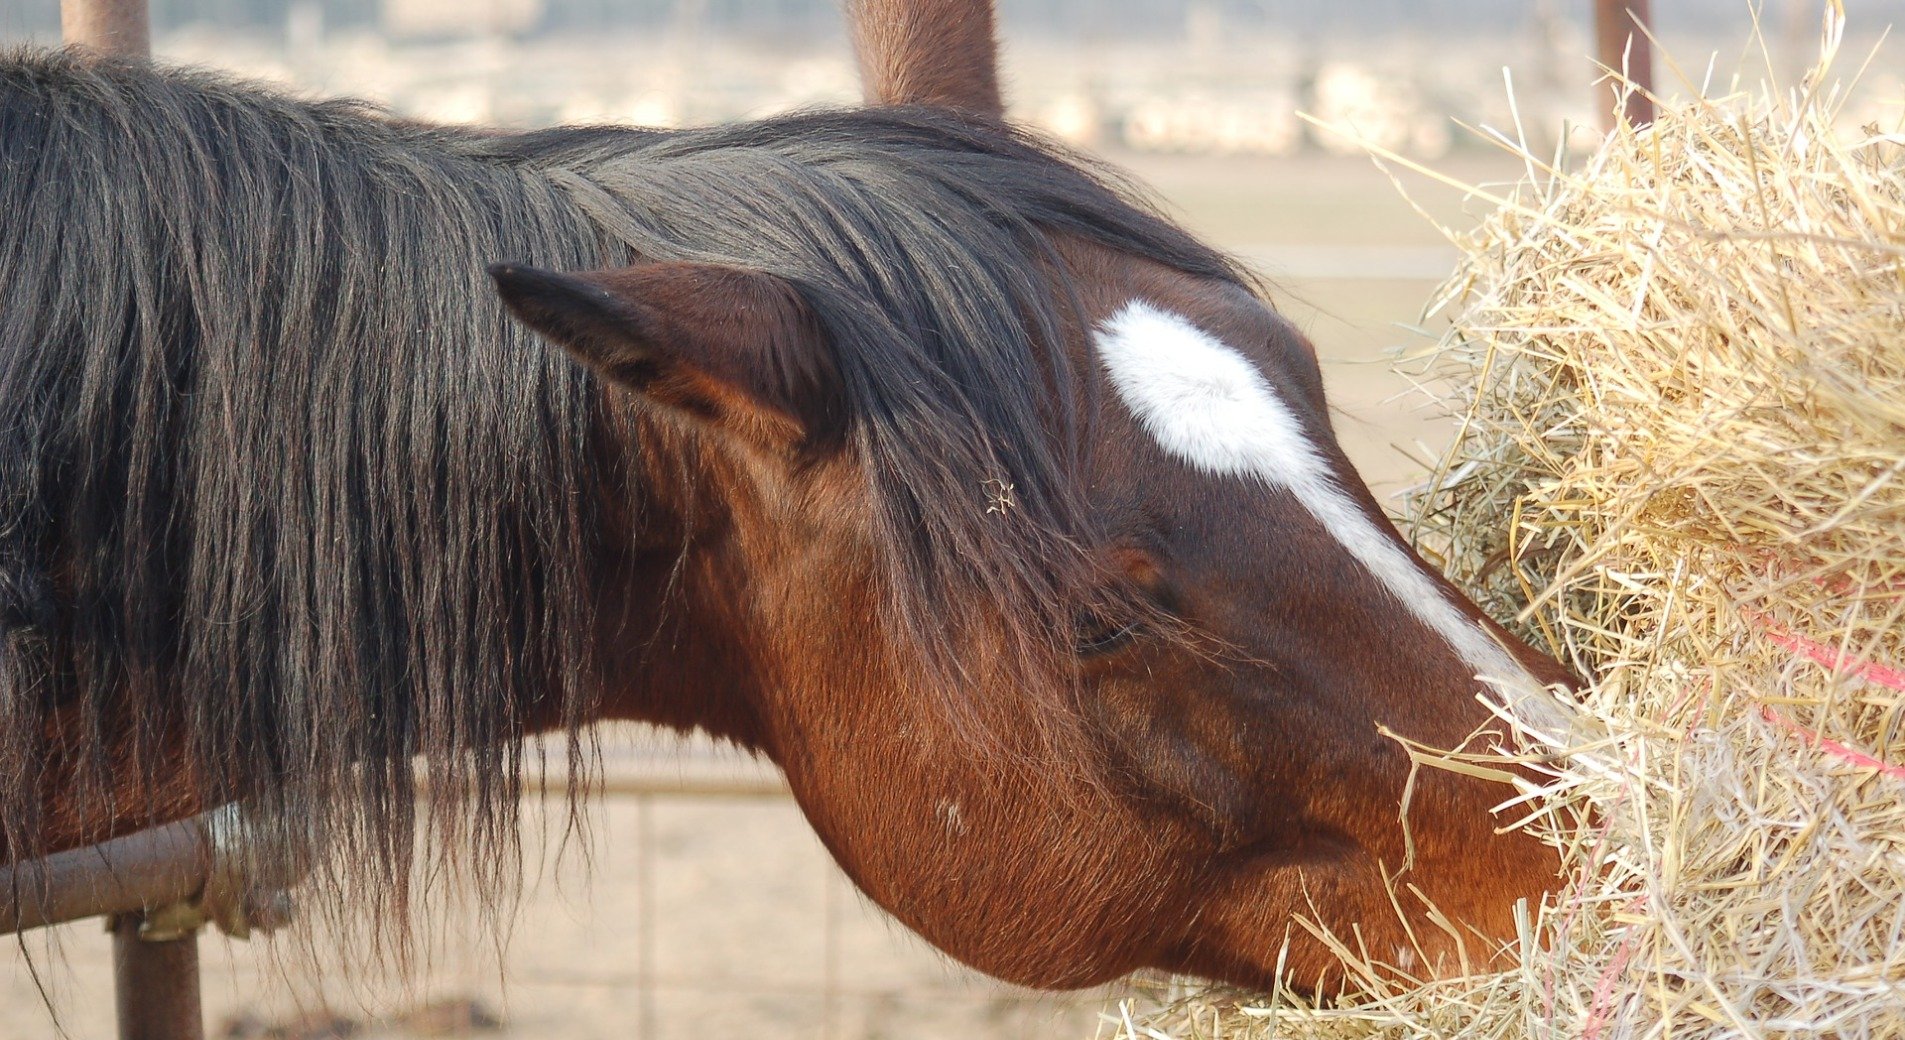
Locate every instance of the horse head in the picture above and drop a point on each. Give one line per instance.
(1074, 630)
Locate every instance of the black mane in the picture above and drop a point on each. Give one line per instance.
(277, 473)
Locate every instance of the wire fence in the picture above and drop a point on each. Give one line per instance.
(704, 906)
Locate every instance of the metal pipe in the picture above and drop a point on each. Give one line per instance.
(119, 28)
(155, 983)
(1621, 30)
(152, 868)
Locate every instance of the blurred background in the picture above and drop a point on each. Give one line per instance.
(1221, 77)
(699, 905)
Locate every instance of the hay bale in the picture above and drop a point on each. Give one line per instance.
(1682, 466)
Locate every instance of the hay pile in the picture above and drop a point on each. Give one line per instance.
(1682, 466)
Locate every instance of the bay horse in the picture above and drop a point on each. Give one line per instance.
(904, 450)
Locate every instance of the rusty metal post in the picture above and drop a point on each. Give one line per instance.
(1622, 43)
(116, 27)
(155, 982)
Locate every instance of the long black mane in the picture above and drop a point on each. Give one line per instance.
(277, 475)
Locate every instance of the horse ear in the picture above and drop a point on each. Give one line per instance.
(928, 52)
(733, 346)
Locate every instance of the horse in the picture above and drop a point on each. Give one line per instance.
(894, 445)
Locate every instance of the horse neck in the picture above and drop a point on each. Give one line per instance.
(673, 635)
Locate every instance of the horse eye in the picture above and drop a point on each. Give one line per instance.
(1097, 637)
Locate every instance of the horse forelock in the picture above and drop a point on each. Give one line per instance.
(282, 478)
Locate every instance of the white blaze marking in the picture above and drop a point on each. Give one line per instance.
(1208, 405)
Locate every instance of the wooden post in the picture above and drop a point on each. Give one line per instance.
(116, 27)
(1620, 32)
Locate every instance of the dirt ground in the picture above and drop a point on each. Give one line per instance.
(739, 926)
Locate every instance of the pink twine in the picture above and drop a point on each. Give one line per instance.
(1602, 1004)
(1831, 747)
(1604, 992)
(1834, 659)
